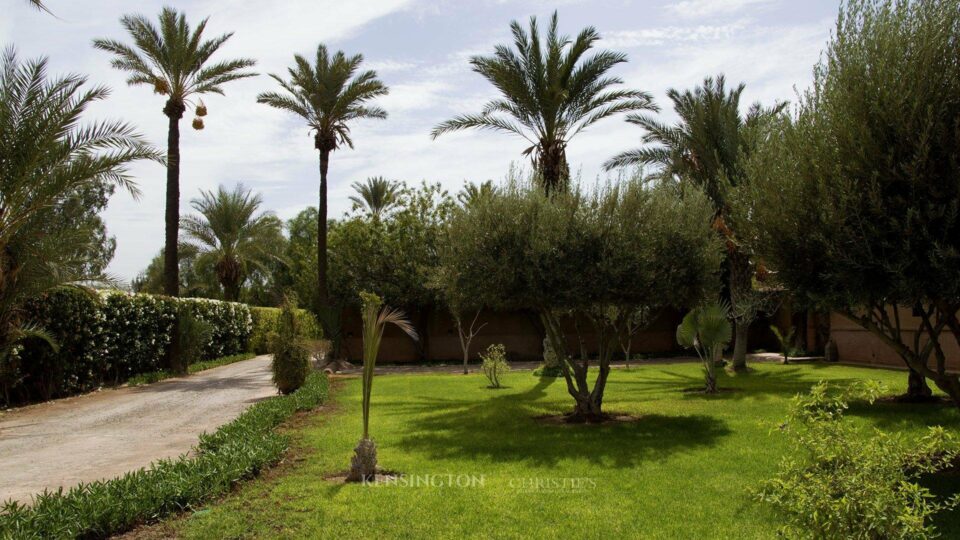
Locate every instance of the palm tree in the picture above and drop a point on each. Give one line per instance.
(471, 192)
(233, 235)
(49, 158)
(550, 92)
(176, 62)
(376, 195)
(39, 5)
(707, 331)
(706, 150)
(375, 317)
(329, 96)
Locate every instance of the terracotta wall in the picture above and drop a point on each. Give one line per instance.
(519, 332)
(858, 346)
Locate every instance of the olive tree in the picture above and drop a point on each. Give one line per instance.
(583, 259)
(854, 199)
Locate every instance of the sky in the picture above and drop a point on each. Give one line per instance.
(421, 50)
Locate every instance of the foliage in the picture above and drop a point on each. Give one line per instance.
(237, 240)
(394, 257)
(328, 96)
(177, 62)
(550, 91)
(197, 278)
(193, 333)
(236, 451)
(495, 364)
(375, 196)
(707, 330)
(291, 358)
(853, 200)
(519, 249)
(847, 484)
(551, 363)
(787, 347)
(107, 338)
(264, 321)
(53, 165)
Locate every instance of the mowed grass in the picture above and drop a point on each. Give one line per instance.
(685, 469)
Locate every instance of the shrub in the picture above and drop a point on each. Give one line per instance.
(108, 337)
(847, 484)
(236, 451)
(264, 322)
(291, 358)
(194, 336)
(495, 364)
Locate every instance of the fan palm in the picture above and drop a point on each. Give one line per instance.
(49, 157)
(230, 231)
(328, 95)
(375, 317)
(176, 62)
(706, 149)
(707, 331)
(376, 195)
(550, 92)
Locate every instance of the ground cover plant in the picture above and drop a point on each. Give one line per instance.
(687, 466)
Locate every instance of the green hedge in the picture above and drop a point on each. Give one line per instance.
(108, 337)
(265, 322)
(237, 451)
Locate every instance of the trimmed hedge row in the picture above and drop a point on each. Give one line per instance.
(265, 322)
(108, 337)
(237, 451)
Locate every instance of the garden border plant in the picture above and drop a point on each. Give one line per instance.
(236, 451)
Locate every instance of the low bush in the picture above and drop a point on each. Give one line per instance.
(194, 334)
(264, 321)
(494, 364)
(237, 451)
(845, 483)
(291, 358)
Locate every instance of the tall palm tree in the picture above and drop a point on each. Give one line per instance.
(176, 62)
(376, 195)
(49, 159)
(230, 231)
(328, 95)
(706, 149)
(550, 92)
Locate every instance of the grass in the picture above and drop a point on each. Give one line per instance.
(685, 469)
(157, 376)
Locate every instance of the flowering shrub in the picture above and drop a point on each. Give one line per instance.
(110, 336)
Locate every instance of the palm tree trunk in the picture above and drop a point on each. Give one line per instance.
(171, 260)
(323, 296)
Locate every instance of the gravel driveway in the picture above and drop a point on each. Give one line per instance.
(107, 433)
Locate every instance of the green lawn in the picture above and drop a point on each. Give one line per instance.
(685, 470)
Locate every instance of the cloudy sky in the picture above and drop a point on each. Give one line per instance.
(421, 49)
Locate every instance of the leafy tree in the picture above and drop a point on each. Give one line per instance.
(376, 317)
(230, 231)
(706, 149)
(176, 62)
(50, 159)
(854, 199)
(550, 91)
(707, 330)
(197, 278)
(583, 258)
(329, 96)
(375, 196)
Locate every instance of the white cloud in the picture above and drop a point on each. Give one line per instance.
(710, 8)
(625, 39)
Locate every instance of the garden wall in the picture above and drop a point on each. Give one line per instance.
(520, 332)
(858, 346)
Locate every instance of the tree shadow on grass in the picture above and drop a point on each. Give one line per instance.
(503, 428)
(777, 383)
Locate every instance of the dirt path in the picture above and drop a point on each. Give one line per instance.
(107, 433)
